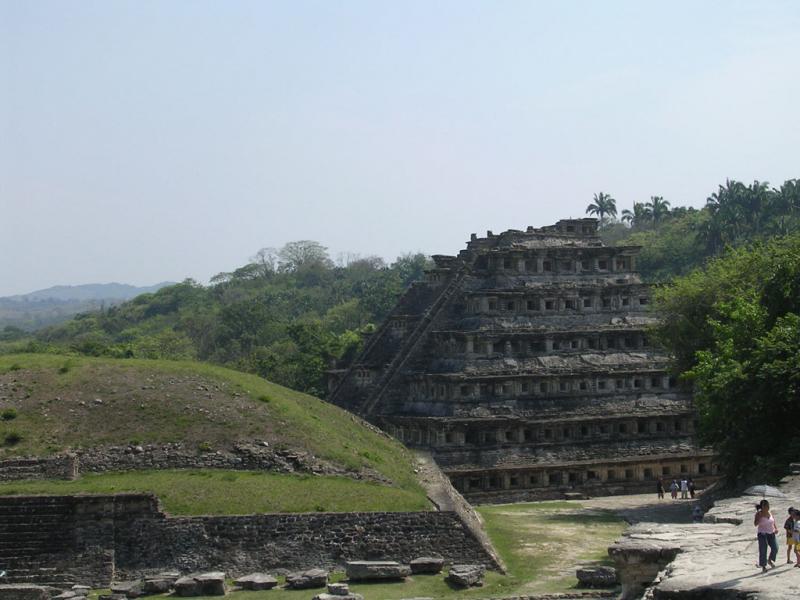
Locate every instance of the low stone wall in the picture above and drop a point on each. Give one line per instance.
(243, 456)
(138, 538)
(64, 466)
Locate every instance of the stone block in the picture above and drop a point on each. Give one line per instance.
(376, 570)
(338, 589)
(463, 576)
(157, 585)
(129, 589)
(311, 578)
(427, 564)
(348, 596)
(257, 581)
(597, 577)
(201, 584)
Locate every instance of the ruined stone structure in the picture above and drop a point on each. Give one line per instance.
(523, 364)
(93, 539)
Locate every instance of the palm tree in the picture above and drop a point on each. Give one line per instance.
(785, 204)
(658, 207)
(604, 205)
(638, 217)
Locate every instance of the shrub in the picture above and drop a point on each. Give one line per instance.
(264, 398)
(65, 368)
(204, 447)
(15, 367)
(8, 414)
(12, 438)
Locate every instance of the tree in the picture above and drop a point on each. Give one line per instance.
(658, 209)
(734, 329)
(303, 254)
(638, 217)
(266, 262)
(603, 206)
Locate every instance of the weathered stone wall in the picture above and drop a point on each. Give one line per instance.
(243, 456)
(57, 467)
(128, 534)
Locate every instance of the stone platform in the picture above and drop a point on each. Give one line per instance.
(713, 559)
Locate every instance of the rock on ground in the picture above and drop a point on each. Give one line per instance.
(427, 564)
(129, 589)
(201, 584)
(348, 596)
(257, 581)
(597, 577)
(374, 570)
(311, 578)
(466, 575)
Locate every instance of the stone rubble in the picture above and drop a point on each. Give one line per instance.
(597, 577)
(464, 576)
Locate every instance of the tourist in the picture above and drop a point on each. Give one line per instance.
(673, 489)
(684, 488)
(788, 526)
(660, 488)
(796, 538)
(765, 523)
(691, 488)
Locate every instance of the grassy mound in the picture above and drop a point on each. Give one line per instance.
(51, 403)
(219, 492)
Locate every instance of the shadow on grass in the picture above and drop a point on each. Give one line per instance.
(583, 519)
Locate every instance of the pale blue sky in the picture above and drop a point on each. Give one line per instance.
(143, 141)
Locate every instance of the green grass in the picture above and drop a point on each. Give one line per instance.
(147, 401)
(218, 492)
(542, 542)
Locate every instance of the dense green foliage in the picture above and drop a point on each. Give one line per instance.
(734, 329)
(677, 240)
(286, 315)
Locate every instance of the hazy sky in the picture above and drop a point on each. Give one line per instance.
(143, 141)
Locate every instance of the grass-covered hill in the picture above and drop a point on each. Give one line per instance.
(51, 403)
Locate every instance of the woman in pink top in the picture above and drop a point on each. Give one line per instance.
(767, 529)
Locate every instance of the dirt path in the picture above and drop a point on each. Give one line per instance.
(637, 508)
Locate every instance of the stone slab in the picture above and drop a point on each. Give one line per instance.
(257, 581)
(308, 579)
(376, 570)
(427, 564)
(201, 584)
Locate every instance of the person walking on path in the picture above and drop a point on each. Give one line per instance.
(788, 526)
(796, 538)
(684, 489)
(691, 488)
(673, 489)
(766, 528)
(660, 488)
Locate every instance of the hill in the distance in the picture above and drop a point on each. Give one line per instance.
(88, 291)
(59, 303)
